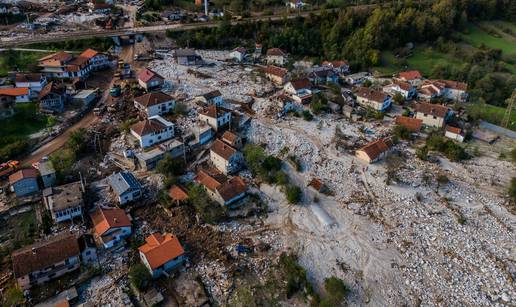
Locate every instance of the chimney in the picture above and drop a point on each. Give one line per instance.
(115, 220)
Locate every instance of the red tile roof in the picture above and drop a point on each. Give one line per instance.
(230, 137)
(301, 83)
(147, 126)
(89, 53)
(275, 52)
(374, 149)
(432, 109)
(454, 130)
(147, 74)
(14, 91)
(213, 111)
(412, 124)
(371, 94)
(177, 193)
(161, 249)
(210, 178)
(335, 64)
(105, 219)
(27, 77)
(222, 149)
(232, 188)
(153, 98)
(45, 253)
(410, 75)
(23, 174)
(276, 71)
(456, 85)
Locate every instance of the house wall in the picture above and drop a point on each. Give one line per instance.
(454, 136)
(276, 79)
(129, 196)
(53, 103)
(26, 186)
(226, 166)
(156, 273)
(67, 214)
(205, 137)
(374, 104)
(158, 109)
(89, 256)
(49, 273)
(155, 137)
(276, 59)
(23, 98)
(49, 180)
(216, 101)
(33, 86)
(216, 123)
(429, 120)
(221, 201)
(123, 233)
(237, 56)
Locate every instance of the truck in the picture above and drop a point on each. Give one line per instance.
(7, 168)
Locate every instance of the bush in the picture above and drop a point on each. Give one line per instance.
(295, 275)
(422, 153)
(140, 277)
(281, 178)
(442, 179)
(307, 115)
(447, 147)
(13, 297)
(14, 149)
(336, 292)
(402, 132)
(513, 155)
(293, 194)
(210, 212)
(170, 168)
(512, 190)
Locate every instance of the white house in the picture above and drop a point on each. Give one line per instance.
(33, 81)
(215, 117)
(376, 100)
(155, 103)
(149, 79)
(161, 253)
(212, 98)
(300, 90)
(20, 94)
(407, 90)
(358, 78)
(125, 187)
(64, 202)
(221, 189)
(413, 77)
(111, 226)
(341, 67)
(434, 115)
(454, 133)
(454, 90)
(374, 151)
(276, 56)
(226, 159)
(153, 130)
(238, 54)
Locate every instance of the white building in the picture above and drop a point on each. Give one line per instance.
(226, 159)
(33, 81)
(211, 98)
(64, 202)
(405, 89)
(153, 130)
(125, 187)
(454, 133)
(376, 100)
(215, 117)
(238, 54)
(276, 56)
(111, 226)
(155, 103)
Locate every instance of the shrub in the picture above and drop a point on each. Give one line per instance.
(402, 132)
(139, 277)
(336, 292)
(293, 194)
(451, 150)
(422, 153)
(442, 179)
(210, 212)
(295, 274)
(512, 190)
(281, 178)
(307, 115)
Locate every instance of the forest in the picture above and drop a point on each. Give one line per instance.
(361, 34)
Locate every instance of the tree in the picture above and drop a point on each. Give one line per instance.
(293, 194)
(336, 292)
(139, 277)
(13, 297)
(307, 115)
(512, 190)
(254, 155)
(170, 168)
(203, 205)
(399, 99)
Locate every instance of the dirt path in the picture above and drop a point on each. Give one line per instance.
(88, 120)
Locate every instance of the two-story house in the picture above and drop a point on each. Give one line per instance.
(405, 89)
(155, 103)
(64, 202)
(24, 182)
(221, 189)
(125, 187)
(225, 158)
(149, 79)
(323, 75)
(413, 77)
(276, 56)
(374, 99)
(152, 131)
(46, 260)
(51, 98)
(340, 67)
(161, 253)
(47, 172)
(19, 94)
(215, 117)
(33, 81)
(211, 98)
(232, 139)
(300, 90)
(277, 75)
(434, 115)
(111, 226)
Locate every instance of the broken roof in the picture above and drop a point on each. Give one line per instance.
(302, 83)
(212, 94)
(66, 196)
(160, 249)
(148, 126)
(222, 149)
(51, 87)
(45, 253)
(106, 219)
(275, 52)
(230, 137)
(276, 71)
(432, 109)
(28, 77)
(153, 98)
(213, 111)
(122, 182)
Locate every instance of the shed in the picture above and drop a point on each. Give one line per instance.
(85, 96)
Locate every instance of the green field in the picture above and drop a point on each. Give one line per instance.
(22, 60)
(26, 121)
(490, 113)
(491, 36)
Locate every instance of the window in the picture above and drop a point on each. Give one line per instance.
(435, 117)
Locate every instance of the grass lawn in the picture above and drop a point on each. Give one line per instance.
(478, 36)
(492, 114)
(24, 60)
(26, 121)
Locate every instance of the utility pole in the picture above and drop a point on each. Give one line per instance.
(507, 116)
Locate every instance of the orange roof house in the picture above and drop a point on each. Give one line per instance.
(110, 225)
(177, 193)
(161, 252)
(374, 151)
(24, 182)
(412, 124)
